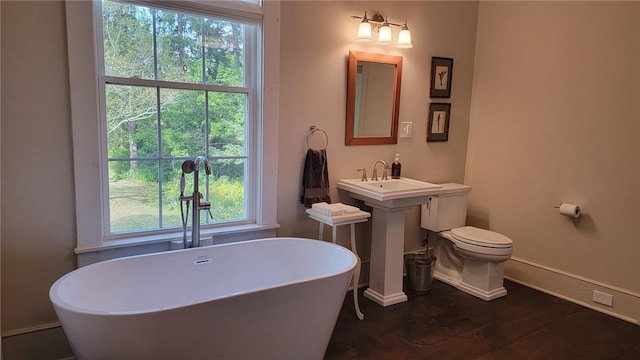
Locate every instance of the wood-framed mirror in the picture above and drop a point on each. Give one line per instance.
(373, 98)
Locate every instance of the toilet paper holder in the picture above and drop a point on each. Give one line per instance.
(570, 210)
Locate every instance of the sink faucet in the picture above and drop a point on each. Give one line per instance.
(374, 176)
(191, 166)
(364, 174)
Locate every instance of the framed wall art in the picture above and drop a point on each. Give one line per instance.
(441, 76)
(438, 128)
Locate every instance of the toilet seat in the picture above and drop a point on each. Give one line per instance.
(475, 243)
(480, 237)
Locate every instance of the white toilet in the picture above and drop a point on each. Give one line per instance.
(468, 258)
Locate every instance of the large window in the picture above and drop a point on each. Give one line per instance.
(174, 86)
(154, 83)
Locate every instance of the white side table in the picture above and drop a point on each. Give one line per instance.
(335, 221)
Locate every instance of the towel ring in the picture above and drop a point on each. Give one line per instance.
(312, 130)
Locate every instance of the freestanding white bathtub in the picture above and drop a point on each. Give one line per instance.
(275, 298)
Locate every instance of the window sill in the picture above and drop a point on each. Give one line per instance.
(110, 249)
(168, 237)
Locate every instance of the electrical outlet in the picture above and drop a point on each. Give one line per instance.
(602, 298)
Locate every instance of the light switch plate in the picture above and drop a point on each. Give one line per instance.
(406, 129)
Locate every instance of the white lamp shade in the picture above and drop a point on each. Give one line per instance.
(384, 37)
(364, 31)
(404, 39)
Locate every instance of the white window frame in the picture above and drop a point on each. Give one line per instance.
(87, 130)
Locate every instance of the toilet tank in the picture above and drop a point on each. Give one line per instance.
(447, 210)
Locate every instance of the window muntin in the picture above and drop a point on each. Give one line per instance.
(174, 87)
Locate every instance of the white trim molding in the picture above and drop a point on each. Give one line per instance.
(574, 288)
(89, 190)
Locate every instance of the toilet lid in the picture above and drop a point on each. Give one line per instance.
(481, 237)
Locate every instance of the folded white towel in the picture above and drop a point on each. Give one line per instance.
(323, 208)
(348, 209)
(334, 209)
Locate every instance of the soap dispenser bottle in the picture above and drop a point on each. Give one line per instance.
(396, 167)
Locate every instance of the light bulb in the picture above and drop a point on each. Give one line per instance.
(404, 38)
(364, 31)
(384, 37)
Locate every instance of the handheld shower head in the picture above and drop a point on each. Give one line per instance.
(182, 184)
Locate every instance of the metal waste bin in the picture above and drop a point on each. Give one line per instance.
(419, 268)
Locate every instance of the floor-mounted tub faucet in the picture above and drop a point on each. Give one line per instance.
(188, 167)
(374, 176)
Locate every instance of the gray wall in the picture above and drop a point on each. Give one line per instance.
(38, 220)
(313, 71)
(556, 118)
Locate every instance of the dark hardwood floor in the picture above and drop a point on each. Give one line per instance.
(450, 324)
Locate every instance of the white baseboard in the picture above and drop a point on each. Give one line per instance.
(574, 288)
(46, 341)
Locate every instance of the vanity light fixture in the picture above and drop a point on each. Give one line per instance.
(404, 38)
(384, 35)
(382, 26)
(364, 29)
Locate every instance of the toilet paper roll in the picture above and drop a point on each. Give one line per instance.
(570, 210)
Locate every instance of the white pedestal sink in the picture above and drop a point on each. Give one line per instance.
(389, 200)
